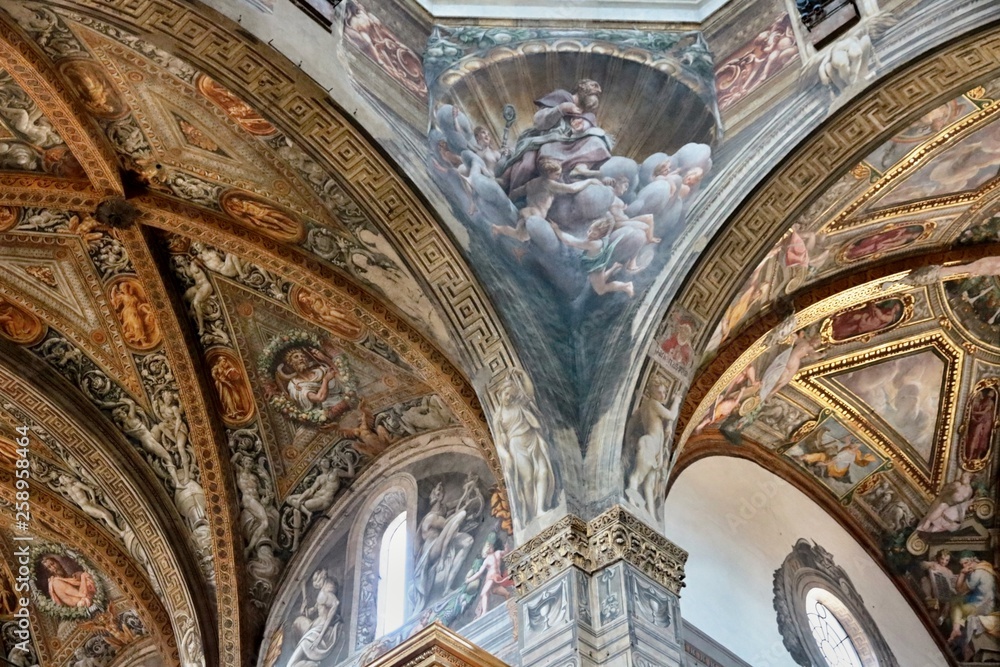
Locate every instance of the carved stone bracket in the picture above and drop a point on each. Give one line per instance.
(608, 538)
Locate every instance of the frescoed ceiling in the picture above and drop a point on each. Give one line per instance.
(230, 305)
(184, 346)
(882, 400)
(930, 186)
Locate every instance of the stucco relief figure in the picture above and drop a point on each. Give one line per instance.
(317, 626)
(133, 424)
(23, 116)
(173, 428)
(315, 498)
(255, 520)
(522, 447)
(134, 314)
(18, 156)
(85, 497)
(261, 216)
(76, 589)
(189, 499)
(198, 295)
(947, 512)
(93, 88)
(19, 653)
(651, 426)
(18, 325)
(443, 544)
(224, 263)
(232, 389)
(846, 63)
(337, 321)
(319, 495)
(980, 426)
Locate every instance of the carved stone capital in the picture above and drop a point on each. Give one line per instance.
(617, 535)
(562, 545)
(608, 538)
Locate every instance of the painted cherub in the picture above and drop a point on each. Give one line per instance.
(644, 223)
(598, 253)
(494, 582)
(540, 192)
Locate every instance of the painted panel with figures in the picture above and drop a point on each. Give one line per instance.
(458, 529)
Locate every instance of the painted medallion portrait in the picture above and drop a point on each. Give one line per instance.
(338, 321)
(673, 348)
(93, 88)
(309, 380)
(134, 314)
(65, 585)
(980, 426)
(9, 217)
(888, 240)
(864, 321)
(18, 325)
(231, 387)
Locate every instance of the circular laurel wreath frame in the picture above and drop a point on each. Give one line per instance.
(46, 604)
(280, 401)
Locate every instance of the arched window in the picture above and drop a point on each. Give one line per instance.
(391, 595)
(821, 617)
(831, 637)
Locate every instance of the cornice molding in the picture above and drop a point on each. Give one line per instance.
(437, 646)
(607, 539)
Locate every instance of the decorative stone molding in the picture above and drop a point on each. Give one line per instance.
(563, 545)
(437, 646)
(608, 538)
(810, 566)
